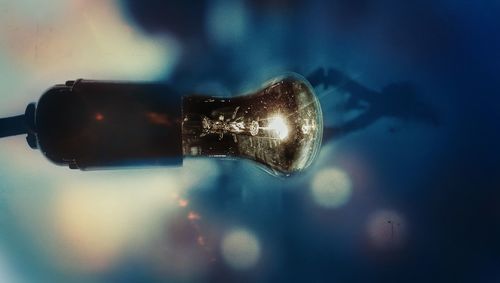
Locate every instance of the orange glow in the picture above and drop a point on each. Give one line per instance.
(183, 203)
(99, 117)
(159, 119)
(193, 216)
(201, 241)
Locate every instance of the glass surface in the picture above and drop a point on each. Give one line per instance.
(280, 126)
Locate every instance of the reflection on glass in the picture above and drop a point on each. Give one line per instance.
(279, 126)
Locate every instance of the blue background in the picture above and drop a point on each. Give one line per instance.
(410, 97)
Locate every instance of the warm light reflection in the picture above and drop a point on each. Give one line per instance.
(183, 203)
(159, 119)
(99, 217)
(201, 241)
(193, 216)
(97, 223)
(99, 117)
(82, 38)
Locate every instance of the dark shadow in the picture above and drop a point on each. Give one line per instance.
(184, 19)
(396, 100)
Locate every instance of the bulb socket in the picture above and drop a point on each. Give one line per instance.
(88, 124)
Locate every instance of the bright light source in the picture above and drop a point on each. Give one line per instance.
(278, 126)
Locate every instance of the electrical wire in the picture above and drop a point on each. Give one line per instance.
(12, 126)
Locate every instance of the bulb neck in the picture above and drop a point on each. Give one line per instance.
(206, 130)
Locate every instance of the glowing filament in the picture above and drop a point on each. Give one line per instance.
(278, 125)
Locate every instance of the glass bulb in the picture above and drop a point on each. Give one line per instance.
(280, 126)
(89, 124)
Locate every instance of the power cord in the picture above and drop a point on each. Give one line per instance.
(13, 126)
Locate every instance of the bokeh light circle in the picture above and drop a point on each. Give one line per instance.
(240, 249)
(331, 188)
(386, 229)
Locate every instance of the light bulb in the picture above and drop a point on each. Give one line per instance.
(101, 124)
(280, 126)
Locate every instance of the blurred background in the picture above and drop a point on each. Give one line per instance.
(405, 188)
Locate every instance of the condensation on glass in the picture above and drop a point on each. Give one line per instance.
(280, 126)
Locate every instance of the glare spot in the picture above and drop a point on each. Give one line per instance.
(99, 117)
(278, 125)
(193, 216)
(240, 249)
(331, 188)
